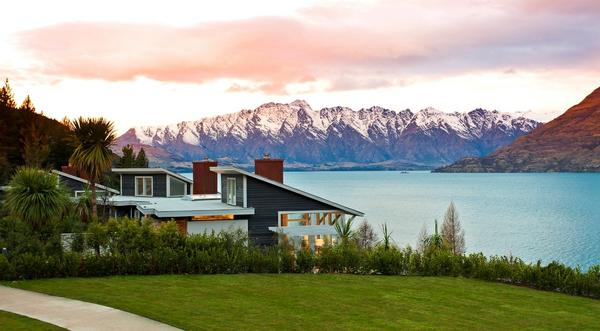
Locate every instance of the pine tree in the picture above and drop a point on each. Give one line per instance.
(128, 158)
(141, 161)
(27, 105)
(452, 233)
(7, 97)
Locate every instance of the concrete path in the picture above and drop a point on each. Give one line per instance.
(73, 314)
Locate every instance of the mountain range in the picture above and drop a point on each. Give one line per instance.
(331, 138)
(570, 142)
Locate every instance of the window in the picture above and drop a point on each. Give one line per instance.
(231, 194)
(177, 188)
(143, 186)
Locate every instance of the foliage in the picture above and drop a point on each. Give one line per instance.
(365, 235)
(35, 196)
(452, 233)
(29, 138)
(343, 228)
(130, 159)
(134, 247)
(92, 153)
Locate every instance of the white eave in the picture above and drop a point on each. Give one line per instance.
(236, 171)
(150, 171)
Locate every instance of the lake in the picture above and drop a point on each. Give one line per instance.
(550, 216)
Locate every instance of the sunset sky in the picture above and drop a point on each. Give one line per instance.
(159, 62)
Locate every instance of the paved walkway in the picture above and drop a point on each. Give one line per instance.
(73, 314)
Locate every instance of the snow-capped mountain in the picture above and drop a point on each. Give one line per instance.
(337, 136)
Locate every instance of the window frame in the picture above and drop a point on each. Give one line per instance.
(143, 178)
(231, 198)
(185, 187)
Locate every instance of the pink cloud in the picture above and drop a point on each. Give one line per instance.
(351, 47)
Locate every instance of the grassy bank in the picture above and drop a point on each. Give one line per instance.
(289, 301)
(14, 322)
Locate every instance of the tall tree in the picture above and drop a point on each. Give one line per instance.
(128, 158)
(7, 97)
(92, 154)
(35, 196)
(452, 233)
(27, 104)
(365, 235)
(141, 161)
(35, 145)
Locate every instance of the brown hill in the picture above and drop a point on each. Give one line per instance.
(571, 142)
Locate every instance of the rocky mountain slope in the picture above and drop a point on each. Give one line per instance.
(571, 142)
(337, 137)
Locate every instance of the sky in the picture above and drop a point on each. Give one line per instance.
(160, 62)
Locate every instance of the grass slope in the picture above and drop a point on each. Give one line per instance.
(300, 302)
(14, 322)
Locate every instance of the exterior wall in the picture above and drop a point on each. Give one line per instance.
(200, 227)
(159, 184)
(267, 201)
(239, 187)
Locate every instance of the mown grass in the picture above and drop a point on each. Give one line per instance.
(311, 302)
(14, 322)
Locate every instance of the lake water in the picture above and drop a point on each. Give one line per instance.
(533, 216)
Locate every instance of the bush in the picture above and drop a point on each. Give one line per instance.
(131, 247)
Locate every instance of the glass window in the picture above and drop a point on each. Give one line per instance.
(176, 187)
(143, 186)
(231, 194)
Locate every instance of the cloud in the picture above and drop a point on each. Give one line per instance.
(350, 46)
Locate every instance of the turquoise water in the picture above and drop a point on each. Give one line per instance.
(532, 216)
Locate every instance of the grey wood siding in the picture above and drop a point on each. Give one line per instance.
(239, 187)
(159, 184)
(267, 201)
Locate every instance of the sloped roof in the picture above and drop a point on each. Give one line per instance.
(85, 181)
(234, 170)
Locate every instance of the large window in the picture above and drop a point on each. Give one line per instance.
(231, 193)
(143, 186)
(176, 187)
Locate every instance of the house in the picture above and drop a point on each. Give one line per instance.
(259, 203)
(77, 186)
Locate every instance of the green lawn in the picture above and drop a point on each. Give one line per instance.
(14, 322)
(301, 302)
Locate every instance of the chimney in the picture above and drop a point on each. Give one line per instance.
(269, 168)
(205, 181)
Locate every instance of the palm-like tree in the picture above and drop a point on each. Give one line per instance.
(35, 196)
(92, 154)
(344, 229)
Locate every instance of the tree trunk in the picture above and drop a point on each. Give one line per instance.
(94, 207)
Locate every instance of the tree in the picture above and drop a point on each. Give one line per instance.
(344, 229)
(128, 158)
(27, 105)
(7, 97)
(452, 233)
(422, 239)
(435, 241)
(35, 196)
(365, 235)
(387, 237)
(141, 161)
(35, 147)
(92, 154)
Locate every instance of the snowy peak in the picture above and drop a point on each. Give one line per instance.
(336, 134)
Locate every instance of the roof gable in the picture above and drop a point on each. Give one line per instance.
(148, 171)
(234, 170)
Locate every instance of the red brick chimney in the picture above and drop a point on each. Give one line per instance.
(269, 168)
(205, 181)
